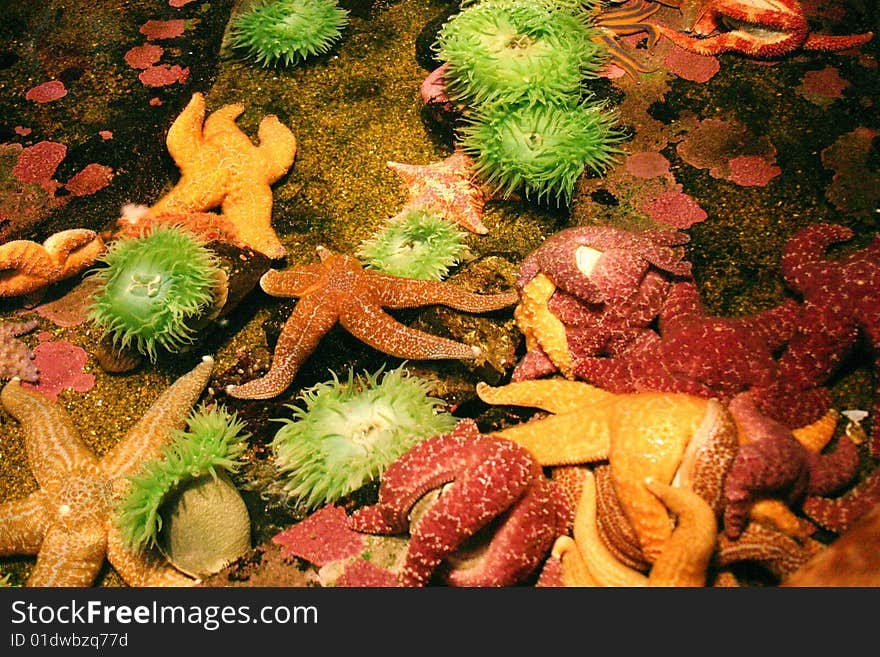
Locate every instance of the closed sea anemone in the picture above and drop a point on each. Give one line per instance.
(347, 432)
(416, 243)
(154, 289)
(212, 443)
(512, 50)
(540, 149)
(286, 32)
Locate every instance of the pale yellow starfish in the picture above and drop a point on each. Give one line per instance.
(220, 166)
(683, 560)
(540, 326)
(69, 521)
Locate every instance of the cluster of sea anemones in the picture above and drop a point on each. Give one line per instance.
(415, 243)
(286, 32)
(347, 433)
(154, 290)
(517, 68)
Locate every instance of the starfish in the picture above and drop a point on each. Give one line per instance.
(220, 166)
(69, 521)
(27, 266)
(447, 188)
(490, 478)
(339, 289)
(780, 553)
(772, 462)
(608, 285)
(683, 561)
(668, 437)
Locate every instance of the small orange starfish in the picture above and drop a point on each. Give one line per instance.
(447, 188)
(339, 289)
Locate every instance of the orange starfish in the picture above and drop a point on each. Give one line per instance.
(671, 438)
(220, 166)
(69, 521)
(683, 560)
(27, 266)
(339, 289)
(447, 188)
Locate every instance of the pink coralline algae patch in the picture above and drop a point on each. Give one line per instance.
(179, 3)
(105, 134)
(752, 171)
(691, 66)
(61, 366)
(647, 165)
(88, 181)
(161, 76)
(719, 145)
(22, 131)
(37, 164)
(855, 186)
(47, 92)
(72, 308)
(144, 56)
(823, 86)
(365, 573)
(676, 209)
(154, 29)
(321, 538)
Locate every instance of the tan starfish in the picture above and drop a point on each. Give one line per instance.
(69, 521)
(668, 437)
(586, 561)
(339, 289)
(221, 167)
(27, 266)
(447, 188)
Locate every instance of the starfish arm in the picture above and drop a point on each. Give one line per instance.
(686, 554)
(541, 327)
(563, 439)
(735, 41)
(220, 126)
(250, 209)
(603, 566)
(277, 147)
(575, 571)
(308, 323)
(51, 440)
(293, 282)
(552, 395)
(184, 139)
(375, 327)
(142, 569)
(399, 292)
(70, 556)
(145, 439)
(194, 193)
(836, 43)
(615, 529)
(23, 524)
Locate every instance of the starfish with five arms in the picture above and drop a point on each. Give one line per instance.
(447, 188)
(69, 521)
(339, 289)
(221, 167)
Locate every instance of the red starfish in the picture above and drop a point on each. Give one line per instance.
(339, 289)
(491, 478)
(760, 29)
(696, 353)
(611, 284)
(447, 188)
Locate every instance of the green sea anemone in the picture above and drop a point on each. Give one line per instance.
(287, 31)
(416, 243)
(540, 149)
(512, 50)
(348, 432)
(212, 443)
(154, 288)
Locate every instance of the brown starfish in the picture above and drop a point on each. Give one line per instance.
(69, 521)
(339, 289)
